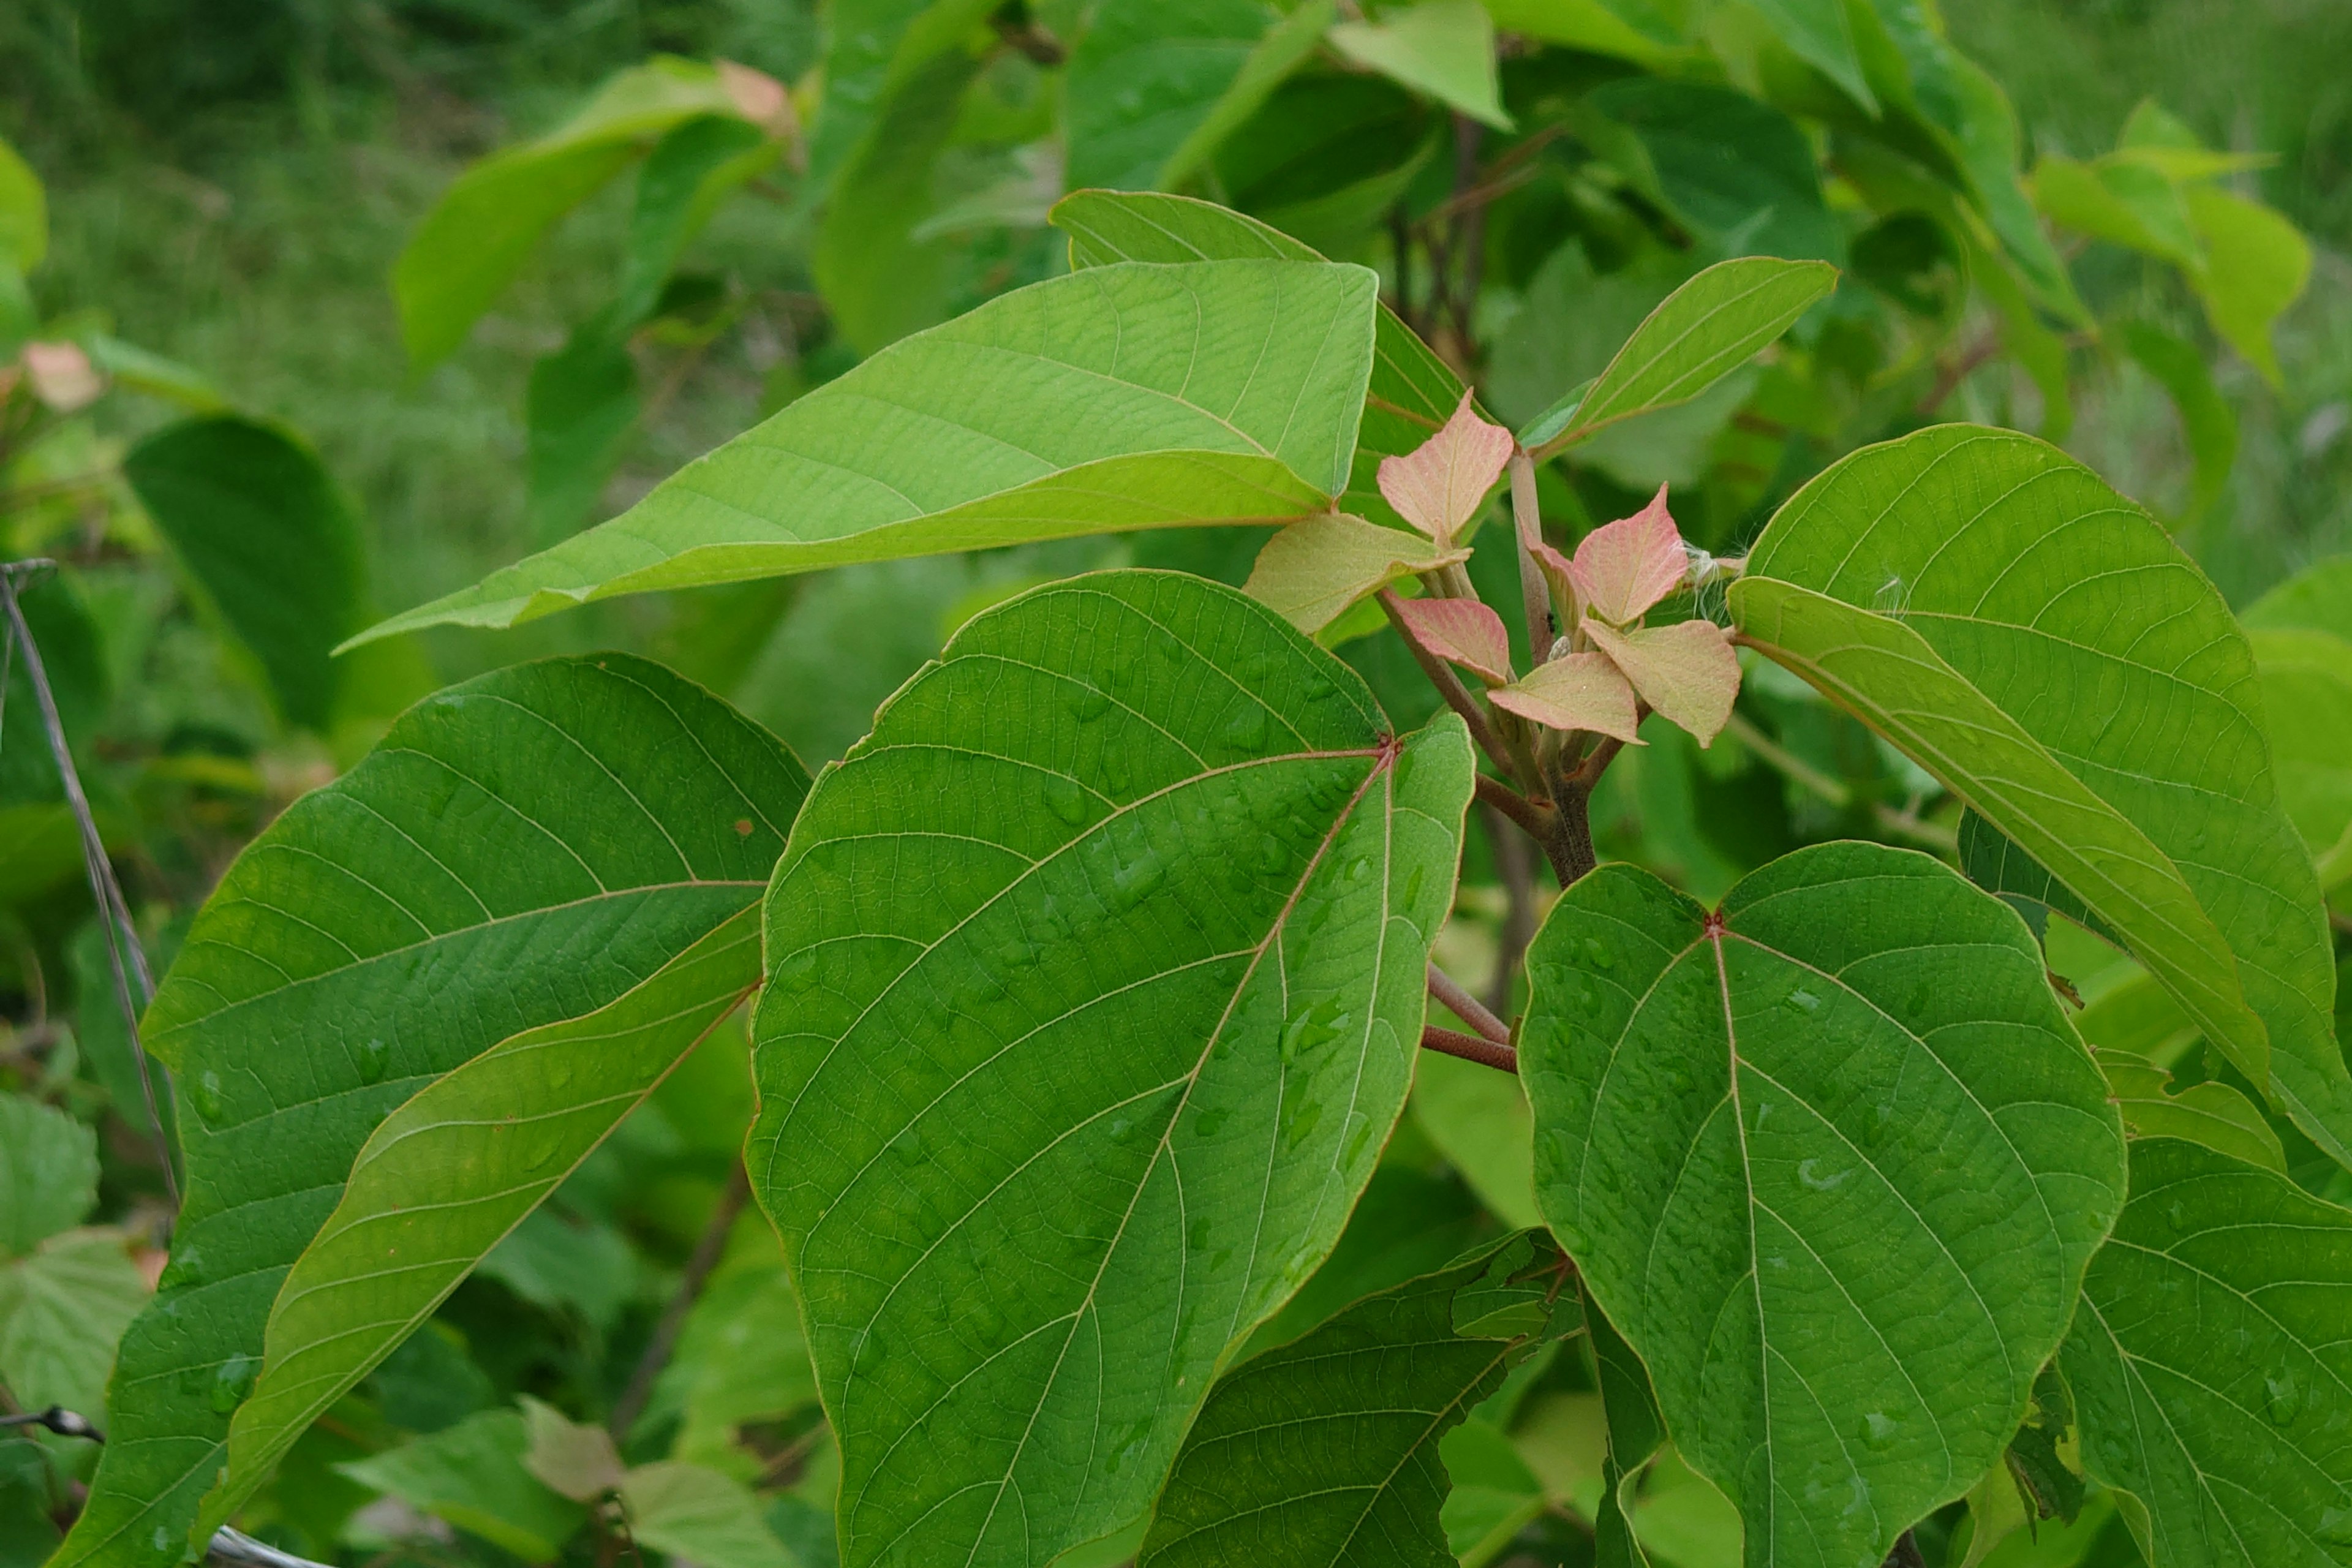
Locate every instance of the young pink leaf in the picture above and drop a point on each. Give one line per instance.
(1464, 632)
(1575, 691)
(1622, 568)
(61, 375)
(1312, 571)
(1439, 486)
(1686, 671)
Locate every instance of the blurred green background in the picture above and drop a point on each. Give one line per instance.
(230, 181)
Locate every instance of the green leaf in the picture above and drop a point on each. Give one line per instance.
(1443, 47)
(1410, 395)
(696, 1515)
(2035, 615)
(1133, 806)
(2209, 1366)
(576, 1459)
(62, 1309)
(1154, 85)
(741, 1359)
(2205, 416)
(1084, 404)
(263, 527)
(2319, 598)
(1832, 1162)
(1821, 33)
(2212, 1114)
(1408, 1222)
(472, 1475)
(473, 242)
(2307, 689)
(873, 48)
(1312, 572)
(690, 172)
(452, 1172)
(1630, 29)
(24, 213)
(49, 1173)
(1701, 333)
(1997, 865)
(520, 850)
(1325, 1451)
(578, 411)
(1479, 1120)
(1983, 139)
(2120, 201)
(1635, 1431)
(2256, 265)
(1730, 167)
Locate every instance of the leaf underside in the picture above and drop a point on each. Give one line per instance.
(1095, 976)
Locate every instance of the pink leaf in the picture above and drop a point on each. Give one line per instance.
(1462, 631)
(1439, 486)
(61, 375)
(1576, 691)
(1686, 671)
(1622, 568)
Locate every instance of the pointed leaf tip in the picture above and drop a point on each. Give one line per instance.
(1438, 485)
(1463, 632)
(1686, 671)
(1576, 691)
(1622, 568)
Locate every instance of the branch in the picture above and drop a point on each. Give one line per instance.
(1470, 1048)
(1467, 1008)
(1449, 685)
(707, 1251)
(1947, 380)
(1539, 821)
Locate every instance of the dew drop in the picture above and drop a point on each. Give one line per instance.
(374, 1062)
(2281, 1396)
(1360, 868)
(1804, 1001)
(1598, 954)
(2179, 1215)
(205, 1093)
(2335, 1527)
(232, 1383)
(1137, 880)
(560, 1071)
(1013, 955)
(1878, 1431)
(1246, 733)
(1088, 703)
(1809, 1173)
(1065, 799)
(798, 974)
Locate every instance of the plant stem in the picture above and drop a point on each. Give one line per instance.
(1534, 819)
(1527, 522)
(1575, 856)
(1470, 1048)
(705, 1258)
(1466, 1007)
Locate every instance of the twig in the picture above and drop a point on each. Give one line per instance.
(705, 1258)
(1466, 1007)
(1028, 38)
(58, 1419)
(1471, 224)
(1537, 819)
(125, 960)
(1470, 1048)
(1519, 910)
(1949, 379)
(1528, 521)
(1449, 686)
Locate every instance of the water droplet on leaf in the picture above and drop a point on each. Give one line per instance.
(1878, 1431)
(1804, 1001)
(1065, 799)
(205, 1093)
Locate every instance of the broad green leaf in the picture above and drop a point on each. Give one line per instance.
(1443, 47)
(2256, 263)
(1635, 1432)
(1135, 808)
(2124, 202)
(1408, 1222)
(1993, 862)
(2307, 688)
(1832, 1161)
(63, 1307)
(2212, 1114)
(2318, 598)
(1154, 85)
(2020, 586)
(1325, 1452)
(1411, 393)
(1631, 29)
(578, 411)
(1821, 33)
(1704, 331)
(472, 1475)
(1984, 139)
(2209, 1367)
(473, 242)
(265, 529)
(49, 1173)
(24, 213)
(447, 1175)
(520, 850)
(881, 278)
(1119, 398)
(1312, 572)
(2206, 418)
(696, 1515)
(1730, 167)
(1479, 1120)
(873, 48)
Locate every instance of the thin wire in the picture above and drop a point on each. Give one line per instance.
(113, 913)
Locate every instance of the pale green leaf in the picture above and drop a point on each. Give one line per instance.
(1154, 85)
(62, 1309)
(1360, 1482)
(1702, 331)
(2256, 263)
(263, 527)
(49, 1173)
(24, 213)
(2032, 614)
(451, 1172)
(2209, 1366)
(579, 1461)
(471, 245)
(1118, 398)
(2318, 598)
(1135, 808)
(2206, 418)
(1443, 47)
(696, 1515)
(1983, 138)
(2212, 1114)
(1635, 1431)
(1312, 571)
(1478, 1118)
(2308, 688)
(1411, 393)
(472, 1475)
(1630, 29)
(2121, 201)
(1832, 1162)
(520, 850)
(690, 172)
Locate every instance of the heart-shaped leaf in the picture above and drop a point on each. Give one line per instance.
(1832, 1161)
(1096, 973)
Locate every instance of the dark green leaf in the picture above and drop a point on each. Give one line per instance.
(1832, 1162)
(579, 410)
(472, 1475)
(1735, 170)
(520, 850)
(873, 48)
(1132, 808)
